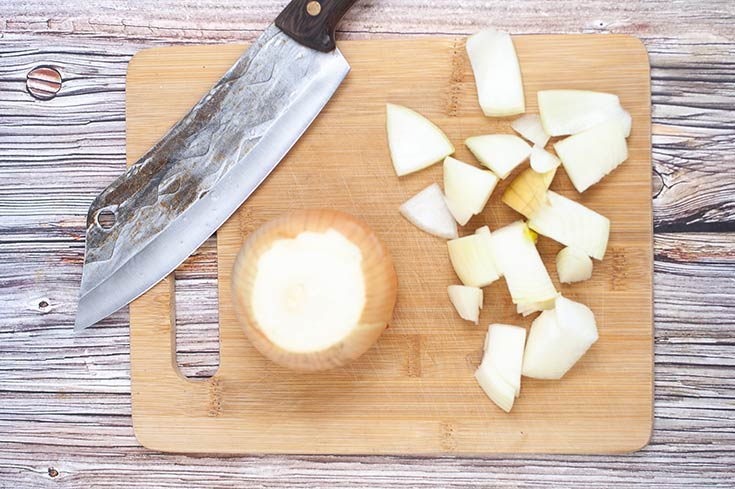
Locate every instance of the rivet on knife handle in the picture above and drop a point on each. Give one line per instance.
(312, 22)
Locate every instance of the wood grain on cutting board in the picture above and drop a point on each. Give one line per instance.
(414, 391)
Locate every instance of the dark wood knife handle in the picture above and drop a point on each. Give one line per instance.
(312, 22)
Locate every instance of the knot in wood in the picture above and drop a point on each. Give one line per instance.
(43, 82)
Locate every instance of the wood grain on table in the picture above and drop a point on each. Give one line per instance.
(65, 399)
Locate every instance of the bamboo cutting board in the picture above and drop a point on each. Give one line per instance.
(414, 391)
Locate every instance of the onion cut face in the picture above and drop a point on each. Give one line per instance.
(591, 154)
(313, 289)
(499, 374)
(499, 152)
(414, 141)
(527, 192)
(572, 224)
(497, 73)
(558, 339)
(467, 188)
(542, 161)
(565, 112)
(533, 307)
(467, 301)
(530, 128)
(428, 211)
(573, 265)
(515, 253)
(473, 259)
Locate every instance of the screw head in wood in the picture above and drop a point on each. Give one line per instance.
(43, 82)
(313, 8)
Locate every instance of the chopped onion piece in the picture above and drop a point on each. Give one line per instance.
(573, 265)
(565, 112)
(558, 339)
(499, 152)
(497, 389)
(467, 188)
(505, 350)
(529, 126)
(460, 214)
(627, 122)
(414, 141)
(428, 211)
(497, 73)
(532, 307)
(527, 309)
(517, 258)
(473, 260)
(542, 161)
(572, 224)
(593, 153)
(527, 192)
(467, 301)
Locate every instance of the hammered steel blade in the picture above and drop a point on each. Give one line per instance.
(185, 187)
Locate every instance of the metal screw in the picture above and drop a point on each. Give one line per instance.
(313, 8)
(43, 82)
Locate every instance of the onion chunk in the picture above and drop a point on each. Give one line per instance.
(499, 374)
(527, 192)
(414, 141)
(517, 258)
(467, 188)
(590, 155)
(497, 73)
(499, 152)
(573, 265)
(558, 339)
(473, 259)
(467, 301)
(565, 112)
(529, 126)
(428, 211)
(572, 224)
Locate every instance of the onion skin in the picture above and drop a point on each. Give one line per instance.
(381, 285)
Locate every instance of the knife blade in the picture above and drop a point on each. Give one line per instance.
(195, 177)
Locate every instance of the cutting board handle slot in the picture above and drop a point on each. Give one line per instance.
(196, 346)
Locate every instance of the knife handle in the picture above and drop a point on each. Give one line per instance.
(312, 22)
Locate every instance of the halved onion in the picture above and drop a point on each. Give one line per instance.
(427, 210)
(527, 192)
(497, 73)
(565, 112)
(473, 260)
(313, 289)
(467, 188)
(572, 224)
(529, 126)
(517, 258)
(467, 301)
(591, 154)
(558, 339)
(415, 142)
(542, 161)
(573, 265)
(499, 152)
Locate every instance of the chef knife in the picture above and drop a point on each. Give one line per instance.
(149, 220)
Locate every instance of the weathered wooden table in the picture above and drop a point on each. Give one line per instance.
(65, 400)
